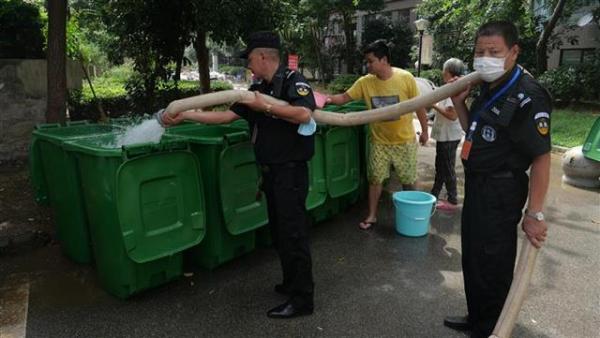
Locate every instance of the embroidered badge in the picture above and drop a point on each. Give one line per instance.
(542, 123)
(302, 88)
(488, 133)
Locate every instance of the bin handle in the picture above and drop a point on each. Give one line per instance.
(78, 123)
(132, 151)
(136, 150)
(40, 126)
(235, 137)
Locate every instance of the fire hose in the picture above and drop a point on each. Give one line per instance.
(349, 119)
(528, 255)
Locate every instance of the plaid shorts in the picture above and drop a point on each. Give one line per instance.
(402, 156)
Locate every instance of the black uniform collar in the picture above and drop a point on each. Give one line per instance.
(278, 79)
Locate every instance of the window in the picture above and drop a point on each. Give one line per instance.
(575, 56)
(404, 15)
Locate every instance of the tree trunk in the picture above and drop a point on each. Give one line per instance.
(350, 43)
(541, 48)
(57, 60)
(178, 65)
(317, 47)
(202, 56)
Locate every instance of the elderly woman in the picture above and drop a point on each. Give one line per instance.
(447, 132)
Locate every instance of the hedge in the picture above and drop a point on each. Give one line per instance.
(116, 102)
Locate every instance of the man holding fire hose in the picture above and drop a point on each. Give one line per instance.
(508, 132)
(283, 144)
(391, 142)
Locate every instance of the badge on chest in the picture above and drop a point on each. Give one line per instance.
(488, 133)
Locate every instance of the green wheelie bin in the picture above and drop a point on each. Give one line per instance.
(235, 208)
(56, 182)
(342, 157)
(145, 206)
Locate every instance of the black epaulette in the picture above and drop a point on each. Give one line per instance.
(289, 73)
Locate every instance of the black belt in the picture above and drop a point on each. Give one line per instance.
(265, 168)
(494, 174)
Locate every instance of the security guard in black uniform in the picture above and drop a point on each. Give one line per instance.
(282, 153)
(508, 131)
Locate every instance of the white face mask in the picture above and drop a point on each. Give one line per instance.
(491, 69)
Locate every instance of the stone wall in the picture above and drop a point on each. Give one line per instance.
(23, 102)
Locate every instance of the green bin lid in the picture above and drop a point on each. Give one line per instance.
(160, 204)
(317, 192)
(342, 161)
(591, 146)
(238, 178)
(159, 195)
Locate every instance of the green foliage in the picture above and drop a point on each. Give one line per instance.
(154, 34)
(216, 85)
(306, 24)
(454, 23)
(562, 83)
(115, 99)
(398, 34)
(346, 9)
(21, 35)
(571, 126)
(342, 83)
(434, 75)
(572, 84)
(232, 70)
(118, 73)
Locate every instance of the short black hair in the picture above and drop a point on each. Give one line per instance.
(379, 48)
(505, 29)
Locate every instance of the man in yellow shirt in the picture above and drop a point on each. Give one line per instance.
(392, 142)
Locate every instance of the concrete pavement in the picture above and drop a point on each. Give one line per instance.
(374, 283)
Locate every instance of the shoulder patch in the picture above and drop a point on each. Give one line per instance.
(302, 88)
(542, 123)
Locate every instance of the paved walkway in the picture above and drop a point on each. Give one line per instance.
(368, 284)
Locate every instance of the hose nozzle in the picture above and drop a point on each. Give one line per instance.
(158, 116)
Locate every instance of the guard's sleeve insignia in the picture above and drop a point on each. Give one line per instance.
(302, 88)
(542, 123)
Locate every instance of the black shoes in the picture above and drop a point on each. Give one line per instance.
(289, 310)
(283, 289)
(459, 323)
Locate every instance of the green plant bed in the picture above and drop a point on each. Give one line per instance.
(116, 101)
(570, 127)
(342, 83)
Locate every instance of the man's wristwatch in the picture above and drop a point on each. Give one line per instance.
(538, 216)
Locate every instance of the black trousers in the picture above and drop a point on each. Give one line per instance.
(492, 210)
(286, 188)
(445, 160)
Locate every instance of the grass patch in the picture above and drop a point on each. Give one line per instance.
(571, 126)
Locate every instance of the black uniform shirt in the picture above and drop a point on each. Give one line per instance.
(277, 141)
(513, 131)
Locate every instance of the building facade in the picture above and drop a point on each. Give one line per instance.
(578, 35)
(394, 10)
